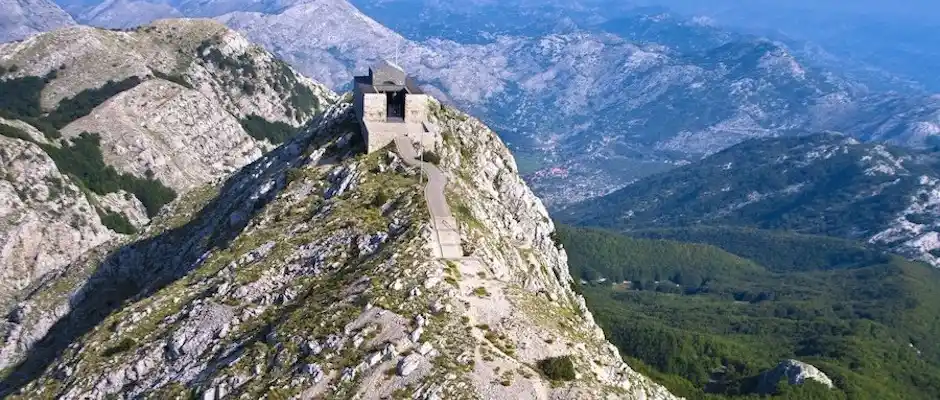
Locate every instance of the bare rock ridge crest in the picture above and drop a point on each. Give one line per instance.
(307, 270)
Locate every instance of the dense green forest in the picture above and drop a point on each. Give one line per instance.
(707, 315)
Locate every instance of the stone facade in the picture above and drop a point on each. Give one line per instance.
(416, 108)
(374, 107)
(373, 104)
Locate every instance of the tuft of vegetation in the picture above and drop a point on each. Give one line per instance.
(481, 292)
(380, 198)
(302, 100)
(557, 368)
(175, 78)
(239, 66)
(431, 157)
(20, 99)
(294, 174)
(262, 129)
(117, 222)
(122, 346)
(14, 132)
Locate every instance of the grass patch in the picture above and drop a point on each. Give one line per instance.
(121, 346)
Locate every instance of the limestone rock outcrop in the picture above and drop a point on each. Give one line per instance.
(795, 372)
(173, 101)
(308, 273)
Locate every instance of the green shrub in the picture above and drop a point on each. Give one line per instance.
(117, 222)
(262, 129)
(302, 100)
(14, 132)
(19, 97)
(177, 79)
(240, 65)
(380, 198)
(122, 346)
(293, 174)
(84, 102)
(558, 368)
(431, 157)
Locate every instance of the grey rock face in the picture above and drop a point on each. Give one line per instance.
(45, 219)
(795, 372)
(408, 364)
(207, 308)
(181, 126)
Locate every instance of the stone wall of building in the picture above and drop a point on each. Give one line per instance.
(416, 108)
(377, 137)
(427, 137)
(358, 101)
(374, 107)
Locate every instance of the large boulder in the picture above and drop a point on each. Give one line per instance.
(796, 373)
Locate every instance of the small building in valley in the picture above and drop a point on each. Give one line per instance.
(389, 103)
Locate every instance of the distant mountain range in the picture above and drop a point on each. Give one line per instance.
(21, 18)
(588, 102)
(821, 184)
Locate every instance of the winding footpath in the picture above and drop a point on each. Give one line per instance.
(444, 224)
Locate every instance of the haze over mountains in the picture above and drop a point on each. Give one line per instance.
(820, 184)
(673, 89)
(186, 215)
(21, 18)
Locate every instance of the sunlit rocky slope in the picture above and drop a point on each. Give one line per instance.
(99, 129)
(308, 273)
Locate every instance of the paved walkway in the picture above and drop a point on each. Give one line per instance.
(445, 225)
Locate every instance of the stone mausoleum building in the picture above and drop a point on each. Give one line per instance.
(389, 104)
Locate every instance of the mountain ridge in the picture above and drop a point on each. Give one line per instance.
(117, 122)
(827, 184)
(23, 18)
(611, 110)
(469, 331)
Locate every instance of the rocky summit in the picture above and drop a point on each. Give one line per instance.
(308, 271)
(99, 129)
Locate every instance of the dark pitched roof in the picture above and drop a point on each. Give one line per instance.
(388, 77)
